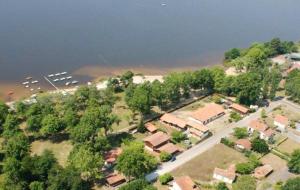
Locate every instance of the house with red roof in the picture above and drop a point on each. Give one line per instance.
(226, 175)
(264, 131)
(174, 121)
(208, 113)
(197, 130)
(183, 183)
(281, 122)
(150, 127)
(243, 144)
(239, 108)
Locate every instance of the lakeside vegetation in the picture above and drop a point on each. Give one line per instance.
(87, 119)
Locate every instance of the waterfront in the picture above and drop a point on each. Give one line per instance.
(95, 38)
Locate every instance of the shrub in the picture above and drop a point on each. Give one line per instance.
(292, 184)
(164, 156)
(240, 132)
(164, 179)
(227, 142)
(178, 136)
(294, 163)
(235, 116)
(222, 186)
(138, 184)
(245, 168)
(260, 146)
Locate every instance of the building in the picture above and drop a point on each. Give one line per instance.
(111, 156)
(153, 142)
(227, 176)
(262, 171)
(239, 108)
(281, 122)
(208, 113)
(280, 59)
(243, 144)
(169, 148)
(197, 129)
(150, 127)
(183, 183)
(115, 179)
(174, 121)
(294, 66)
(265, 132)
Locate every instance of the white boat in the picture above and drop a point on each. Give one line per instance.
(57, 74)
(63, 78)
(31, 89)
(63, 73)
(35, 81)
(55, 80)
(68, 83)
(39, 88)
(163, 4)
(69, 77)
(28, 78)
(25, 83)
(52, 75)
(27, 86)
(74, 82)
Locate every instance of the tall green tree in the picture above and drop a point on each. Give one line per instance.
(294, 162)
(3, 112)
(292, 184)
(51, 125)
(17, 146)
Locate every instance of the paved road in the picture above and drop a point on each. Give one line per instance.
(207, 144)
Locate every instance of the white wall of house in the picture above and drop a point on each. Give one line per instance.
(175, 186)
(280, 126)
(222, 178)
(240, 146)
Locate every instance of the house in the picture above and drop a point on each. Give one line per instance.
(294, 66)
(115, 179)
(197, 129)
(169, 148)
(174, 121)
(265, 132)
(111, 156)
(208, 113)
(227, 176)
(280, 59)
(281, 122)
(243, 144)
(150, 127)
(153, 142)
(262, 171)
(183, 183)
(239, 108)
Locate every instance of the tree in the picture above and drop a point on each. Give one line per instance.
(240, 132)
(36, 185)
(222, 186)
(171, 88)
(166, 178)
(135, 162)
(34, 123)
(203, 79)
(127, 78)
(138, 184)
(10, 126)
(260, 145)
(50, 125)
(292, 184)
(245, 168)
(86, 161)
(3, 112)
(164, 156)
(17, 146)
(178, 136)
(232, 54)
(245, 182)
(157, 92)
(294, 162)
(13, 174)
(70, 118)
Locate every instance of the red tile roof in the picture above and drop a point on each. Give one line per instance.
(207, 112)
(185, 183)
(262, 171)
(258, 125)
(245, 143)
(269, 132)
(198, 126)
(229, 173)
(169, 148)
(115, 179)
(150, 127)
(239, 108)
(170, 118)
(281, 119)
(157, 138)
(112, 155)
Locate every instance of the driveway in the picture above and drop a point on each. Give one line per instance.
(207, 144)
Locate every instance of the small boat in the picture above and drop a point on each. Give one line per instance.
(31, 89)
(52, 75)
(74, 82)
(68, 83)
(57, 74)
(39, 88)
(35, 81)
(25, 82)
(28, 78)
(55, 80)
(27, 86)
(69, 77)
(63, 73)
(163, 4)
(63, 78)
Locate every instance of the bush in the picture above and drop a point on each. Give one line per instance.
(294, 163)
(240, 132)
(235, 116)
(222, 186)
(178, 136)
(227, 142)
(245, 168)
(260, 146)
(245, 182)
(164, 156)
(166, 178)
(292, 184)
(138, 184)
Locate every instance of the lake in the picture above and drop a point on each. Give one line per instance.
(39, 37)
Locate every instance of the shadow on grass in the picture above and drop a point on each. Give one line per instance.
(58, 138)
(117, 139)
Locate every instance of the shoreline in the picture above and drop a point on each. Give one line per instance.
(94, 73)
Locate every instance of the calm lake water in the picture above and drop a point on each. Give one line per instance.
(38, 37)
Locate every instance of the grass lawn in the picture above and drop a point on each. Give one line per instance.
(288, 146)
(60, 150)
(201, 168)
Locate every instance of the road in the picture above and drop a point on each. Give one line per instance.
(206, 144)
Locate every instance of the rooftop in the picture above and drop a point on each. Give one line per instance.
(245, 143)
(228, 173)
(239, 108)
(170, 118)
(263, 171)
(169, 148)
(281, 119)
(207, 112)
(198, 126)
(150, 127)
(258, 125)
(115, 179)
(157, 138)
(112, 155)
(185, 183)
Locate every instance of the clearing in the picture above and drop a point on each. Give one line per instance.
(201, 168)
(288, 146)
(60, 150)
